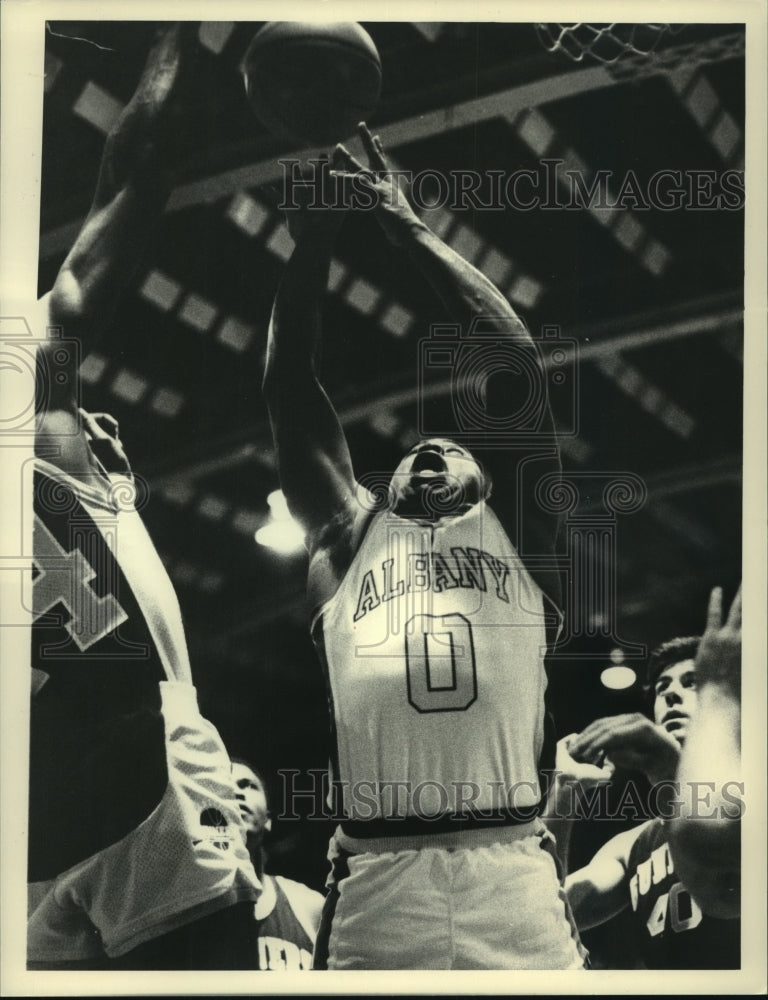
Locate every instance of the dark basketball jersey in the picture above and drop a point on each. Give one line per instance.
(670, 930)
(284, 941)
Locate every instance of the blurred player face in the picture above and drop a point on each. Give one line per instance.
(675, 698)
(252, 798)
(438, 474)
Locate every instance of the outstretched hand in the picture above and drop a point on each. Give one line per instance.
(393, 210)
(719, 657)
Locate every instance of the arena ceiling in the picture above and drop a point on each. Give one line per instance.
(650, 292)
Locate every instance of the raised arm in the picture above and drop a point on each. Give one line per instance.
(133, 185)
(478, 307)
(705, 840)
(313, 458)
(466, 292)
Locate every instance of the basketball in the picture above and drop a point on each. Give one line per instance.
(312, 82)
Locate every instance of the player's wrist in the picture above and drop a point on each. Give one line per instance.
(401, 224)
(719, 678)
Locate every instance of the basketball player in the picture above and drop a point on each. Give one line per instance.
(680, 878)
(432, 631)
(287, 913)
(136, 852)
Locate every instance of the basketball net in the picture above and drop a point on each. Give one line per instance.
(605, 42)
(629, 50)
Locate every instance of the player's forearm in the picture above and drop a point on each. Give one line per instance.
(293, 345)
(711, 752)
(705, 836)
(468, 295)
(133, 186)
(465, 290)
(144, 142)
(593, 903)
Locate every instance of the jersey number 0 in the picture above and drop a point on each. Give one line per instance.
(440, 663)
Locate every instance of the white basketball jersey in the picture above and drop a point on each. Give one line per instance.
(434, 646)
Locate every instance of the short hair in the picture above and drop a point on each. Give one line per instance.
(673, 651)
(233, 759)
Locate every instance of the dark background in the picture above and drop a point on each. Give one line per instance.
(651, 298)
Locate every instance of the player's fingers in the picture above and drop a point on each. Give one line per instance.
(344, 156)
(381, 156)
(89, 424)
(108, 424)
(588, 751)
(595, 747)
(375, 153)
(352, 181)
(734, 615)
(610, 733)
(580, 746)
(607, 770)
(715, 610)
(599, 727)
(338, 161)
(379, 147)
(628, 759)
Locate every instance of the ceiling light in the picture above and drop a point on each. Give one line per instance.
(285, 537)
(281, 532)
(618, 677)
(160, 290)
(97, 107)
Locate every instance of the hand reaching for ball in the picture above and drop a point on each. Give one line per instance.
(393, 211)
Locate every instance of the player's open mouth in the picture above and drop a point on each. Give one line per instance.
(674, 720)
(428, 463)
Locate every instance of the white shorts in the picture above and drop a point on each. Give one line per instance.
(482, 899)
(186, 860)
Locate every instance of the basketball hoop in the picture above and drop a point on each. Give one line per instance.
(606, 43)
